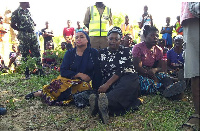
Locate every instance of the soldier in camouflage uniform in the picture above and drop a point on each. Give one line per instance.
(22, 22)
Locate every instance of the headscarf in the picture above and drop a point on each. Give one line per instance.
(86, 55)
(88, 38)
(178, 37)
(115, 30)
(78, 65)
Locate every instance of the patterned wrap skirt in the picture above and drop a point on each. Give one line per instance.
(149, 86)
(61, 89)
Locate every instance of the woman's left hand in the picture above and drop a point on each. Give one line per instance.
(103, 88)
(151, 74)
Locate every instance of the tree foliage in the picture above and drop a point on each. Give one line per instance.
(118, 19)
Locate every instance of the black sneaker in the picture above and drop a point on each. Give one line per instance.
(174, 89)
(93, 104)
(103, 108)
(3, 111)
(30, 96)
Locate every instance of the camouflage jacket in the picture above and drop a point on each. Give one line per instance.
(21, 20)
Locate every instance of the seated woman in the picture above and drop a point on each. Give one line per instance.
(127, 41)
(47, 59)
(147, 59)
(120, 84)
(63, 46)
(175, 61)
(66, 46)
(161, 43)
(3, 67)
(15, 57)
(78, 68)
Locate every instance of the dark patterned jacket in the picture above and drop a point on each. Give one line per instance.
(21, 20)
(118, 62)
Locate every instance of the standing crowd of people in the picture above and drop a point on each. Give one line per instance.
(119, 70)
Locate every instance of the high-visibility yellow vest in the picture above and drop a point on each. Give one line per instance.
(99, 25)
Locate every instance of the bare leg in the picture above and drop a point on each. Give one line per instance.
(33, 94)
(195, 92)
(38, 93)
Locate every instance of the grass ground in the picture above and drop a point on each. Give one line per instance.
(155, 114)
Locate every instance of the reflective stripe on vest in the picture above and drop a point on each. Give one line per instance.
(99, 25)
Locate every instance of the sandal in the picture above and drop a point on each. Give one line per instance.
(31, 95)
(194, 127)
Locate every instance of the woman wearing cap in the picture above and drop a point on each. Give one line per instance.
(175, 59)
(147, 59)
(77, 69)
(120, 84)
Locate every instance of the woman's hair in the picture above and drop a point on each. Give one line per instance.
(147, 29)
(115, 29)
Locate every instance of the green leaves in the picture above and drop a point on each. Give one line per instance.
(30, 63)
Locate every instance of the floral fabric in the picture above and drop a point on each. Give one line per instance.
(60, 90)
(115, 62)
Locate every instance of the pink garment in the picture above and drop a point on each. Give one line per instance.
(185, 13)
(147, 56)
(68, 31)
(164, 57)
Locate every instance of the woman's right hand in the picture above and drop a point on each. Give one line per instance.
(103, 88)
(151, 74)
(83, 77)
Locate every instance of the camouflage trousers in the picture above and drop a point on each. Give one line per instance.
(29, 45)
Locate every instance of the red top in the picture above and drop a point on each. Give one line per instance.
(147, 56)
(68, 31)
